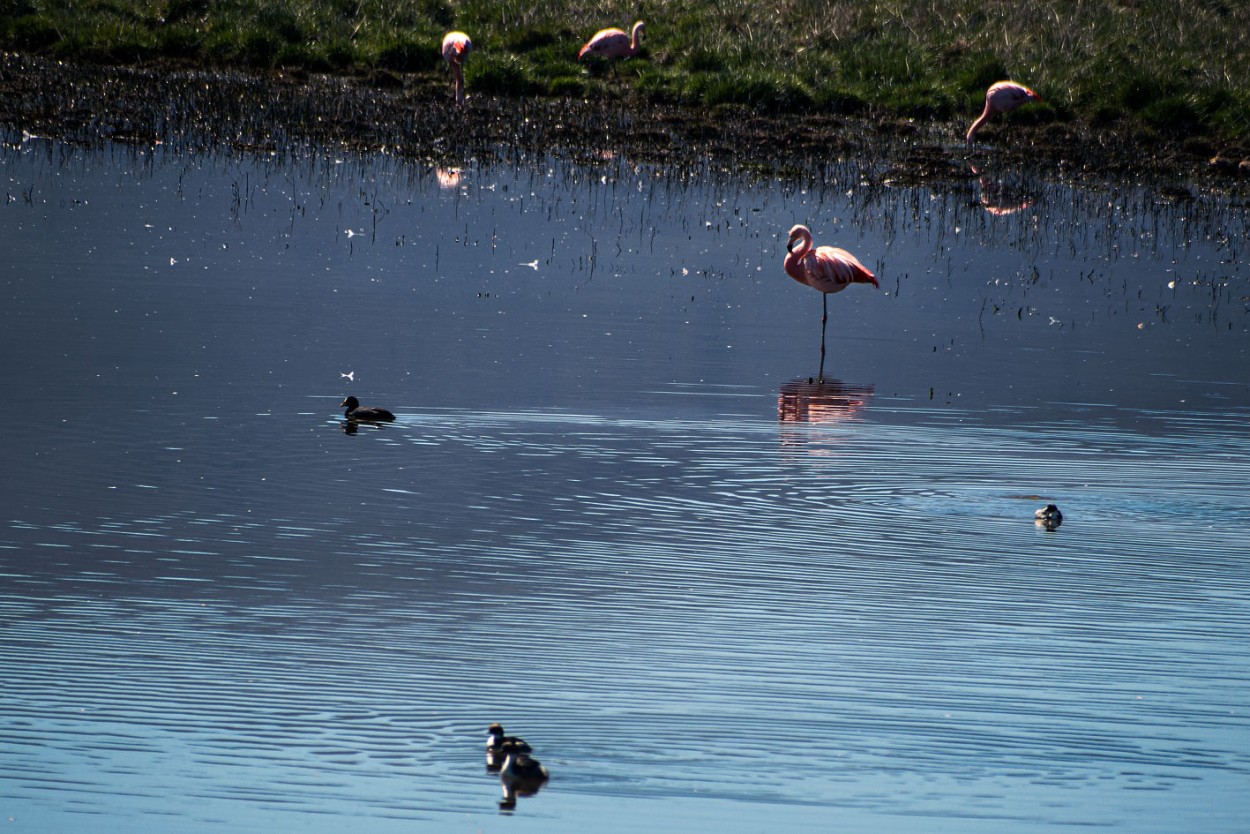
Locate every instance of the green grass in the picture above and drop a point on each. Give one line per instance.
(1172, 68)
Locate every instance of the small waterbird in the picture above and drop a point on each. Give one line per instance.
(357, 412)
(1048, 517)
(496, 741)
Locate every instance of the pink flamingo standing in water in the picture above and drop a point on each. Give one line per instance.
(1001, 98)
(456, 48)
(824, 268)
(614, 43)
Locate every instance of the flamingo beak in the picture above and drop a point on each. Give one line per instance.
(790, 245)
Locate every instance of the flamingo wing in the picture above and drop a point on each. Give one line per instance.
(830, 269)
(1008, 95)
(607, 43)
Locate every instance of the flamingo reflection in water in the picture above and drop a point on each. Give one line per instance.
(821, 401)
(998, 197)
(448, 178)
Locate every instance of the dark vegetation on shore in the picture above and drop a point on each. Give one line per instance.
(1172, 69)
(1130, 86)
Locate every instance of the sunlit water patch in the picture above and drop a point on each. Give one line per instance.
(617, 511)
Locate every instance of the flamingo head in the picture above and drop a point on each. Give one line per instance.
(798, 233)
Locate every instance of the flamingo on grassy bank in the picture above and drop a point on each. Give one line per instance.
(614, 43)
(456, 48)
(1001, 98)
(824, 268)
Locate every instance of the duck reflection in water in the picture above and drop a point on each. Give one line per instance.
(998, 196)
(519, 776)
(815, 400)
(499, 745)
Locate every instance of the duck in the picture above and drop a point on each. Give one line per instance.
(498, 746)
(1049, 517)
(496, 740)
(355, 411)
(520, 776)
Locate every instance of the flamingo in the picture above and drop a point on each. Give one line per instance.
(456, 48)
(614, 43)
(824, 268)
(1001, 98)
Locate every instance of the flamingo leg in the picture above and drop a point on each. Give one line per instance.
(824, 319)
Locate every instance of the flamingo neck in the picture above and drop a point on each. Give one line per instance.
(982, 119)
(794, 260)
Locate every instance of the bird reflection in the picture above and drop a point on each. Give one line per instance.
(998, 196)
(448, 177)
(821, 401)
(519, 776)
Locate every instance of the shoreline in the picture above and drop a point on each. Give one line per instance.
(414, 116)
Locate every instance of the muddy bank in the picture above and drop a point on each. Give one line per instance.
(413, 116)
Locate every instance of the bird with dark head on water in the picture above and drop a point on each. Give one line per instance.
(371, 414)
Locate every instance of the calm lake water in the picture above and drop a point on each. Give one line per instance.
(614, 514)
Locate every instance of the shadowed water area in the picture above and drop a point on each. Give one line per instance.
(619, 511)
